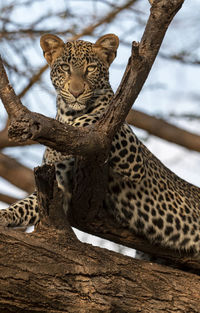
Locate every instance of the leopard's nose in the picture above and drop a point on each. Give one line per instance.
(76, 92)
(76, 87)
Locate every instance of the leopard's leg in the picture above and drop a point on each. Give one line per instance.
(64, 171)
(25, 212)
(64, 180)
(21, 213)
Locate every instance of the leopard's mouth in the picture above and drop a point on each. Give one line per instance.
(76, 105)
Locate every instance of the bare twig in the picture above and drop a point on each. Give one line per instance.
(181, 57)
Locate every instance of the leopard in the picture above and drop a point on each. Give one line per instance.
(142, 194)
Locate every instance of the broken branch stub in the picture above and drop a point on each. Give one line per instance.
(51, 201)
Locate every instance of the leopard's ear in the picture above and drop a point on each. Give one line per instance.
(106, 47)
(52, 47)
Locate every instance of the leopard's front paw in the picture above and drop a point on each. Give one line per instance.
(5, 218)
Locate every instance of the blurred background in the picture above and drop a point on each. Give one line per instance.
(170, 96)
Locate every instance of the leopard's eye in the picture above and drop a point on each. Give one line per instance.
(65, 67)
(91, 68)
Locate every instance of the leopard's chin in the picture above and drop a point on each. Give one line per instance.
(77, 106)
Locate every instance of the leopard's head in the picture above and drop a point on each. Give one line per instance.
(79, 69)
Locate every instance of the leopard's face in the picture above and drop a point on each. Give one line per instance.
(79, 75)
(79, 69)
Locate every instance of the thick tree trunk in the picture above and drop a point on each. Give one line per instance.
(51, 271)
(48, 272)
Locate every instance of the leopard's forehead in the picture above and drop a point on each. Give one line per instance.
(79, 46)
(79, 51)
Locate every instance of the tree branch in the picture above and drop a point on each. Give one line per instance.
(164, 130)
(46, 272)
(155, 126)
(16, 173)
(7, 199)
(140, 63)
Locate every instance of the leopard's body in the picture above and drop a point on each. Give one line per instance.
(142, 193)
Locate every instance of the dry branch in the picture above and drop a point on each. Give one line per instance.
(13, 171)
(155, 126)
(5, 142)
(7, 199)
(164, 130)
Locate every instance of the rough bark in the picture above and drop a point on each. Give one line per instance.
(51, 274)
(5, 142)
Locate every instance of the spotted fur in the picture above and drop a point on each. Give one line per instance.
(142, 194)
